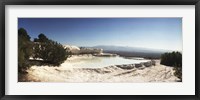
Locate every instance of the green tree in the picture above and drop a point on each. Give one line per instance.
(35, 40)
(42, 38)
(24, 49)
(50, 51)
(173, 59)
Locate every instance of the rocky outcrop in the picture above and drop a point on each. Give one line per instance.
(82, 50)
(128, 66)
(150, 63)
(72, 49)
(153, 62)
(138, 65)
(131, 66)
(147, 64)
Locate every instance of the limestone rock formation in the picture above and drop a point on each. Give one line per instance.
(72, 49)
(82, 50)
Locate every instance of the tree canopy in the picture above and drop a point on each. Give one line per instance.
(173, 59)
(51, 52)
(24, 49)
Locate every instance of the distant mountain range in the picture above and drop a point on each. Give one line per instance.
(130, 49)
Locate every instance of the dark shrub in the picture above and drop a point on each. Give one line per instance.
(173, 59)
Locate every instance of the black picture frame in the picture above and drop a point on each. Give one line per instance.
(99, 2)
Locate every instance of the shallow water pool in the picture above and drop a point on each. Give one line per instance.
(94, 62)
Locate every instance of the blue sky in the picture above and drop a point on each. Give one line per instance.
(156, 33)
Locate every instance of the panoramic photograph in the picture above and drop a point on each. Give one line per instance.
(100, 50)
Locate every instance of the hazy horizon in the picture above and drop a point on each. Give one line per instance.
(152, 33)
